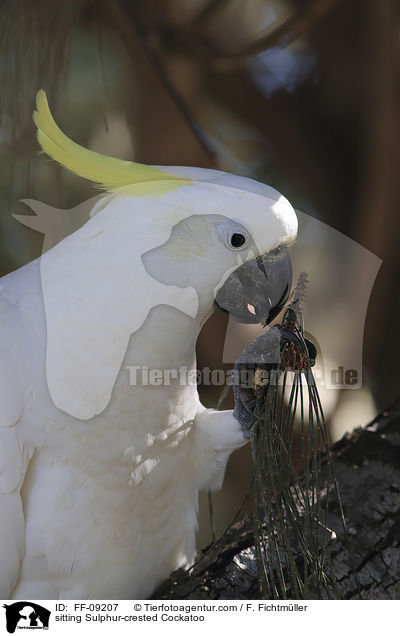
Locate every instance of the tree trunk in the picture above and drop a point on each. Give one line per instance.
(364, 561)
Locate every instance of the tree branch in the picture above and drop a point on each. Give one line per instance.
(295, 26)
(150, 48)
(365, 562)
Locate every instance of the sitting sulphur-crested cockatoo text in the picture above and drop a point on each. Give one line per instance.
(100, 470)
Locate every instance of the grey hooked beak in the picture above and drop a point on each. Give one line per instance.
(257, 290)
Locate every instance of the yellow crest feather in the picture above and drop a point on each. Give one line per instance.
(107, 172)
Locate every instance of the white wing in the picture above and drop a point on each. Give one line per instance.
(14, 453)
(14, 459)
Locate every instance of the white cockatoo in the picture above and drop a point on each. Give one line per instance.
(104, 446)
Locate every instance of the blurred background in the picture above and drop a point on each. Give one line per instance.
(301, 94)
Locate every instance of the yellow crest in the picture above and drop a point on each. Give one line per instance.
(107, 172)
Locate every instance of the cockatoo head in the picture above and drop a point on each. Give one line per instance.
(186, 237)
(228, 235)
(231, 248)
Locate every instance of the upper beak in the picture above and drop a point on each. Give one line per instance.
(257, 290)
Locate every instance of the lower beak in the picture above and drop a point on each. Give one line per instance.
(257, 290)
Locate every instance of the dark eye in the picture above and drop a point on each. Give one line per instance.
(237, 240)
(234, 235)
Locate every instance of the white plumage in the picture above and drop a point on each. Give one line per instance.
(99, 478)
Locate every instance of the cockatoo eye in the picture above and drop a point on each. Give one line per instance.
(235, 236)
(237, 240)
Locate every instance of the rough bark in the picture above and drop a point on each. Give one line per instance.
(365, 561)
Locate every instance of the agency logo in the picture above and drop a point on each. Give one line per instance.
(26, 615)
(247, 289)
